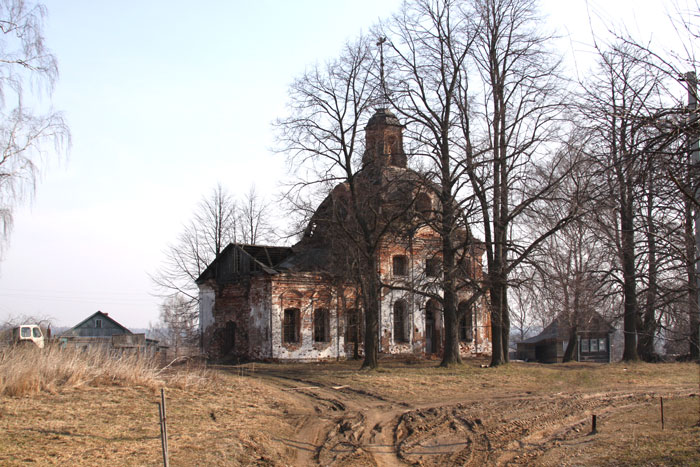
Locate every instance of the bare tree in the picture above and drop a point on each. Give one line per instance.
(178, 325)
(26, 138)
(619, 103)
(253, 218)
(430, 46)
(212, 227)
(323, 138)
(520, 110)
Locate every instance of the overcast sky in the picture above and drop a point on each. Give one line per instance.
(166, 98)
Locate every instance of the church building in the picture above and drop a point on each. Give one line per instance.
(300, 303)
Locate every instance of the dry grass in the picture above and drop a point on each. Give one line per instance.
(28, 370)
(635, 437)
(424, 382)
(232, 421)
(76, 414)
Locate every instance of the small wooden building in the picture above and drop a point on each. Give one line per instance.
(100, 331)
(593, 337)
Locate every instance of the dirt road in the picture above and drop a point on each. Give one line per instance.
(346, 425)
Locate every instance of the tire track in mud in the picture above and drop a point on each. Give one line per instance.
(341, 425)
(351, 426)
(497, 432)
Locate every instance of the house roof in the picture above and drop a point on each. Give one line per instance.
(560, 328)
(97, 314)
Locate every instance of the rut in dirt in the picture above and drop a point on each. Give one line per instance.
(350, 426)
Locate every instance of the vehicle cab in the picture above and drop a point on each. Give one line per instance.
(27, 333)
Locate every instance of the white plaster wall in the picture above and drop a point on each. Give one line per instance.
(307, 350)
(206, 307)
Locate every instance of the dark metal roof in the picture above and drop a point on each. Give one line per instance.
(383, 116)
(560, 328)
(238, 260)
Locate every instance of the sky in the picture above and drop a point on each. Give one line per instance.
(164, 100)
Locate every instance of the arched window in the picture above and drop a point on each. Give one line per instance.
(400, 322)
(321, 325)
(464, 311)
(290, 326)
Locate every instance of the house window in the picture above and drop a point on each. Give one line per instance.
(594, 345)
(432, 267)
(98, 323)
(584, 345)
(400, 321)
(464, 312)
(400, 264)
(353, 327)
(321, 326)
(290, 326)
(602, 344)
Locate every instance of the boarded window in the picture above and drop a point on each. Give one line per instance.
(400, 264)
(400, 321)
(464, 311)
(321, 325)
(290, 326)
(432, 267)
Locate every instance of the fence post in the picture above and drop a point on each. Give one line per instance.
(165, 421)
(162, 435)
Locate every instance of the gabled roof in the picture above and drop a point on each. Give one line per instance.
(559, 328)
(239, 259)
(100, 315)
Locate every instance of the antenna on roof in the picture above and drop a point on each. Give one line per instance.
(384, 103)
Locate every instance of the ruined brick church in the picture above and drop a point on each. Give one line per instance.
(297, 303)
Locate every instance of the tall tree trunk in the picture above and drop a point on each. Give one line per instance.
(371, 298)
(629, 282)
(497, 293)
(692, 302)
(571, 346)
(451, 354)
(647, 330)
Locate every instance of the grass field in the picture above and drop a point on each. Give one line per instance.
(334, 414)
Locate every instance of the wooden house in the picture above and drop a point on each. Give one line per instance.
(594, 337)
(100, 331)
